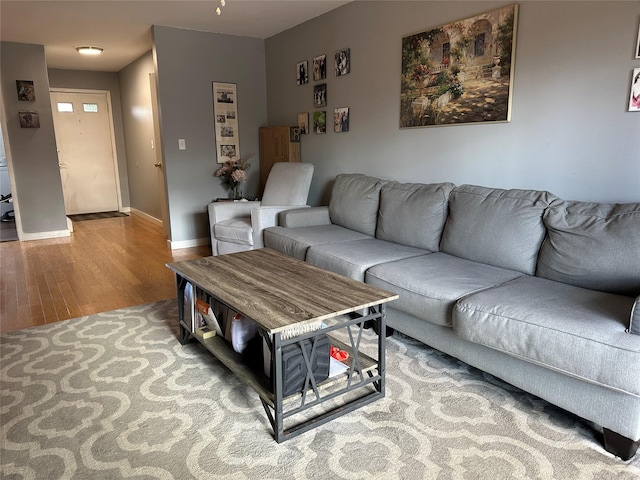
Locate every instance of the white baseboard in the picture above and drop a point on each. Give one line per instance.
(44, 235)
(146, 216)
(196, 242)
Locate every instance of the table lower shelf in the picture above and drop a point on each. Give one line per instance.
(261, 384)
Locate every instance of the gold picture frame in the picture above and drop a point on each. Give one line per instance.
(460, 72)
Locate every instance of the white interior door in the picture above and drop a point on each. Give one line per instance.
(88, 170)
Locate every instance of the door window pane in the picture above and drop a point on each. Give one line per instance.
(90, 107)
(65, 107)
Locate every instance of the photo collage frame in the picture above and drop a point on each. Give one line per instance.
(225, 109)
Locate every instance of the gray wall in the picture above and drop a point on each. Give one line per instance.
(32, 151)
(187, 62)
(570, 132)
(88, 80)
(138, 125)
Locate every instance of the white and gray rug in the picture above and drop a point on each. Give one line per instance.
(114, 395)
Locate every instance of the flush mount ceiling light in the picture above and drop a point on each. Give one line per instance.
(89, 50)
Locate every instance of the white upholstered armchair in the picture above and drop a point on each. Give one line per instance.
(238, 226)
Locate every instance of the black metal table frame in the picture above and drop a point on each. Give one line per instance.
(373, 384)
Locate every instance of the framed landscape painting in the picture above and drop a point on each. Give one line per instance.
(461, 72)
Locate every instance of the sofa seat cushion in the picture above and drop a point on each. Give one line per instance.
(295, 241)
(352, 259)
(569, 329)
(430, 285)
(235, 230)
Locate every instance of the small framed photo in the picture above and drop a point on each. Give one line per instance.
(341, 119)
(228, 152)
(26, 92)
(294, 134)
(302, 73)
(638, 44)
(320, 95)
(634, 96)
(343, 62)
(320, 122)
(29, 119)
(303, 122)
(320, 67)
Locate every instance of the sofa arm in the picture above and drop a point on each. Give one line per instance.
(634, 321)
(307, 217)
(221, 211)
(265, 217)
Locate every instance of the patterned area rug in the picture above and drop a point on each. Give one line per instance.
(81, 217)
(114, 395)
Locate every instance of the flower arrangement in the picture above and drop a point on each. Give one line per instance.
(233, 172)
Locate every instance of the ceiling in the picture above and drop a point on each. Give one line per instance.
(123, 28)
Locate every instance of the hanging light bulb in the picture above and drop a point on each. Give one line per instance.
(222, 4)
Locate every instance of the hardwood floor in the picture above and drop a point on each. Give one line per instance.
(106, 264)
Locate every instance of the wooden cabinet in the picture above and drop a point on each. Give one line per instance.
(277, 144)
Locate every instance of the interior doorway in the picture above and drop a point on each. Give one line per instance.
(8, 231)
(83, 127)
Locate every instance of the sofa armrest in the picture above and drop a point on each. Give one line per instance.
(221, 211)
(265, 217)
(634, 321)
(305, 217)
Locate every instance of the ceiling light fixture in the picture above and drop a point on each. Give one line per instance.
(222, 4)
(89, 50)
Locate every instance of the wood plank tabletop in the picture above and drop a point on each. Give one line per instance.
(278, 291)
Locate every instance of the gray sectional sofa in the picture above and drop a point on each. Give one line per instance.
(540, 292)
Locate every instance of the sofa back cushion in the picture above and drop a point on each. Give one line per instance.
(593, 245)
(497, 227)
(413, 214)
(354, 202)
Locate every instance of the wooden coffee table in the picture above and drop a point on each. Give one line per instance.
(280, 293)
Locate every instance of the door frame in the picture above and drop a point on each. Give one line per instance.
(162, 180)
(114, 153)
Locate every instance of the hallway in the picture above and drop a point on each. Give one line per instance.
(105, 265)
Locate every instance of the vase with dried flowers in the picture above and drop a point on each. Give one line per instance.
(234, 172)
